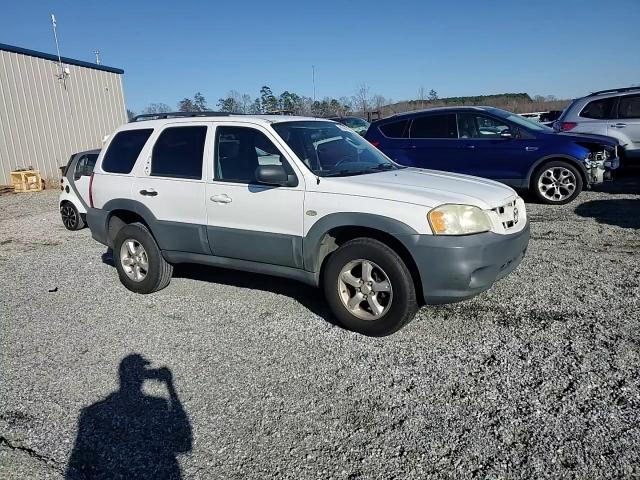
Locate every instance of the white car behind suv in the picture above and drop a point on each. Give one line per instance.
(302, 198)
(614, 113)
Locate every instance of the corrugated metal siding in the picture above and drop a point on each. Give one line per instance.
(42, 123)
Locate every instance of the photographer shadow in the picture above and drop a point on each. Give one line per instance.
(130, 434)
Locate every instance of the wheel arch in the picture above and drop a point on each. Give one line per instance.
(329, 233)
(541, 162)
(123, 212)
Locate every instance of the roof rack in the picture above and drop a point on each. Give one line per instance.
(614, 90)
(165, 115)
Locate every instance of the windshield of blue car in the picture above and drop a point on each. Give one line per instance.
(521, 121)
(330, 149)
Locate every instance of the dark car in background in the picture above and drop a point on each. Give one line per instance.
(357, 124)
(500, 145)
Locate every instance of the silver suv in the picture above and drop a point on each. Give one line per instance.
(614, 113)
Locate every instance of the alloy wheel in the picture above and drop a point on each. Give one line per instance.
(557, 183)
(365, 289)
(134, 260)
(69, 216)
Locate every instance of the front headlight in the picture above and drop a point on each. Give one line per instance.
(458, 220)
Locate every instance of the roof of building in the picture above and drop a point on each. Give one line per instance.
(48, 56)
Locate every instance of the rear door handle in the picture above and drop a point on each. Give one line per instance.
(224, 198)
(470, 146)
(619, 125)
(150, 192)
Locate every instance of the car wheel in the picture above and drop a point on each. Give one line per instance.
(369, 288)
(557, 183)
(139, 261)
(71, 218)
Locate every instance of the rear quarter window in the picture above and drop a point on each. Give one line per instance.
(124, 150)
(394, 129)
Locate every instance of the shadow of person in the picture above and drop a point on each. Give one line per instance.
(130, 434)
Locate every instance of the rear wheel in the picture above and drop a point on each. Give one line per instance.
(557, 183)
(369, 288)
(71, 218)
(139, 261)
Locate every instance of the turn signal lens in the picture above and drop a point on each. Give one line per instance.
(454, 219)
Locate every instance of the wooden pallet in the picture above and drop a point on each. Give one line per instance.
(26, 181)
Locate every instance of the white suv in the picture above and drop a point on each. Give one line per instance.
(614, 113)
(302, 198)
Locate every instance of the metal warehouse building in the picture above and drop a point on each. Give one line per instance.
(49, 110)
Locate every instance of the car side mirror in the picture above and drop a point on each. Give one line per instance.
(507, 133)
(272, 175)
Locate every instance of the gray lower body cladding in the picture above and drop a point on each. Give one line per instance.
(457, 268)
(452, 268)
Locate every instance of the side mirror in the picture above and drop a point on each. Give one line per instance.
(272, 175)
(506, 133)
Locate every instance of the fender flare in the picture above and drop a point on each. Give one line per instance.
(313, 254)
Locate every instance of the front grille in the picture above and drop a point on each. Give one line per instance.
(508, 215)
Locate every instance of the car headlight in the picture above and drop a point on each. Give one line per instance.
(458, 220)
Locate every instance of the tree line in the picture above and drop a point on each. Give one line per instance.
(360, 103)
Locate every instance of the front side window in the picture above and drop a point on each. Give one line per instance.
(124, 150)
(434, 126)
(471, 125)
(599, 109)
(239, 152)
(85, 165)
(629, 107)
(178, 152)
(332, 150)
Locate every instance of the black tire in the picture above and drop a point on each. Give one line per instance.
(71, 218)
(158, 274)
(567, 196)
(403, 305)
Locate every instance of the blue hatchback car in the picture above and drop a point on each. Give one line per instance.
(500, 145)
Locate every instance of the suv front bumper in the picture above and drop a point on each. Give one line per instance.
(456, 268)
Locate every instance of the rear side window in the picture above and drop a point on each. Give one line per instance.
(599, 109)
(85, 165)
(178, 152)
(434, 126)
(124, 150)
(394, 129)
(629, 107)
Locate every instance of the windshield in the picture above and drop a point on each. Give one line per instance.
(332, 150)
(521, 121)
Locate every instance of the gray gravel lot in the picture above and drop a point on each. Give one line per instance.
(536, 378)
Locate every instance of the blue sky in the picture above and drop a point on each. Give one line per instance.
(170, 50)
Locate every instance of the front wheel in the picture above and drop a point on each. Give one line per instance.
(369, 288)
(139, 261)
(557, 183)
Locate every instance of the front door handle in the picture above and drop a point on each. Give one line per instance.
(619, 125)
(224, 198)
(150, 192)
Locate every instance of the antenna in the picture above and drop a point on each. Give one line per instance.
(313, 79)
(63, 72)
(97, 54)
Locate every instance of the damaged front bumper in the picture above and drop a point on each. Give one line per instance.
(600, 163)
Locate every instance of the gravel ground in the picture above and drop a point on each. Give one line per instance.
(536, 378)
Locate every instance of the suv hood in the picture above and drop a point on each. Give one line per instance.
(586, 137)
(422, 187)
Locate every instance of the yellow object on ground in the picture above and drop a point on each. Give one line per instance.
(26, 181)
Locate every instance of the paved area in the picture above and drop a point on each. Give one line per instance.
(537, 378)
